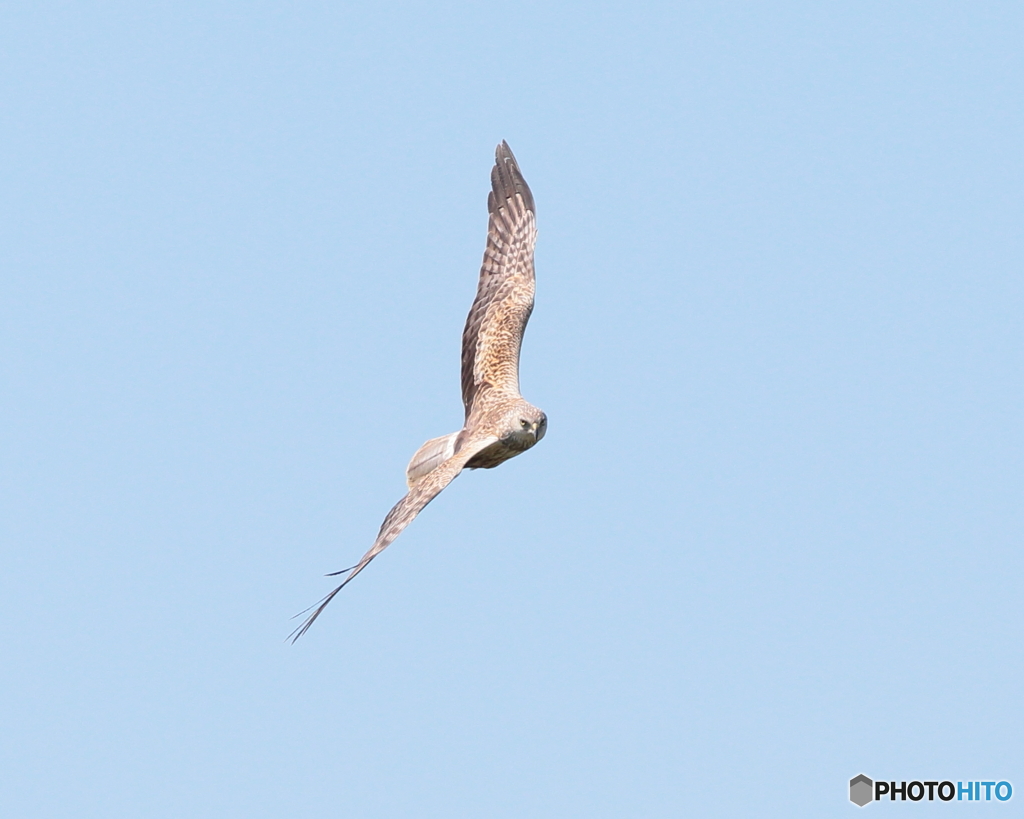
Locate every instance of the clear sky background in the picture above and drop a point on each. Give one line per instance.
(772, 538)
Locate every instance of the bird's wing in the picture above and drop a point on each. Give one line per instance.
(422, 492)
(504, 296)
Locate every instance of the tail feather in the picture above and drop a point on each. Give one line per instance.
(430, 456)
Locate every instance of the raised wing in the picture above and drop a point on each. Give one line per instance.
(422, 492)
(504, 296)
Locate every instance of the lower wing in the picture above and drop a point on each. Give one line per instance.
(401, 515)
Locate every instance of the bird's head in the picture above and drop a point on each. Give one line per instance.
(525, 424)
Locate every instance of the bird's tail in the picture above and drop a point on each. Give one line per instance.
(430, 456)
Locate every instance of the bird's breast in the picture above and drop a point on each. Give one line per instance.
(500, 451)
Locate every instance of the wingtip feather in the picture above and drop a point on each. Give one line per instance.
(507, 180)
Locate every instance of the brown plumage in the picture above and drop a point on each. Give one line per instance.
(499, 423)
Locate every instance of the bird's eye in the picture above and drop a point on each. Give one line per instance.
(524, 423)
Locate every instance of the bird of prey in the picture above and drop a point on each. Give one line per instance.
(500, 423)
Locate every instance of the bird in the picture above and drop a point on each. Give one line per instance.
(499, 423)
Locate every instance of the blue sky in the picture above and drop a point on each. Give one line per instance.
(772, 538)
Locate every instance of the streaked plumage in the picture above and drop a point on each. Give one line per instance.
(499, 423)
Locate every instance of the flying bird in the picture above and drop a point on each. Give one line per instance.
(500, 423)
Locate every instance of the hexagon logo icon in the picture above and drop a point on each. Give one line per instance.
(861, 790)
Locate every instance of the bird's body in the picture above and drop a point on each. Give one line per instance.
(500, 423)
